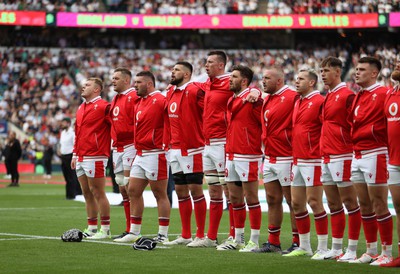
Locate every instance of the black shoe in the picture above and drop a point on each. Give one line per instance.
(13, 185)
(291, 248)
(268, 248)
(70, 198)
(120, 236)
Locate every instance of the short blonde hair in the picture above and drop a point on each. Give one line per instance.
(97, 81)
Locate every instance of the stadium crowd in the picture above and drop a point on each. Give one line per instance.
(207, 6)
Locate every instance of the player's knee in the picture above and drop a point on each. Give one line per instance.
(274, 199)
(179, 179)
(211, 179)
(126, 181)
(195, 178)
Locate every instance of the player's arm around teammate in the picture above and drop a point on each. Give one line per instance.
(150, 165)
(243, 150)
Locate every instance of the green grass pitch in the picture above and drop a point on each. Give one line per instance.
(33, 217)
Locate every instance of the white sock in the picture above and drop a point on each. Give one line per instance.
(255, 235)
(387, 250)
(163, 230)
(92, 227)
(337, 243)
(239, 235)
(305, 241)
(135, 229)
(352, 245)
(322, 242)
(372, 248)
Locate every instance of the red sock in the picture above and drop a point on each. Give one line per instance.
(239, 215)
(370, 226)
(274, 235)
(92, 221)
(105, 220)
(127, 210)
(385, 226)
(216, 208)
(185, 211)
(303, 222)
(137, 220)
(338, 223)
(255, 216)
(231, 220)
(295, 236)
(200, 211)
(354, 223)
(321, 223)
(163, 221)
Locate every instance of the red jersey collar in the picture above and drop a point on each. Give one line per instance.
(127, 91)
(311, 94)
(341, 85)
(281, 90)
(93, 100)
(372, 87)
(182, 87)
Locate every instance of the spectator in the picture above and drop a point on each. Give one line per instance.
(12, 154)
(48, 153)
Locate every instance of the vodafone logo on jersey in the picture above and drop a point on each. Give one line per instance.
(173, 107)
(138, 115)
(265, 115)
(356, 111)
(116, 111)
(393, 109)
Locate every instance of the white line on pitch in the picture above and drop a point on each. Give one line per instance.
(35, 237)
(36, 208)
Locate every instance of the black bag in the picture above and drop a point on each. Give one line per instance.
(144, 244)
(72, 235)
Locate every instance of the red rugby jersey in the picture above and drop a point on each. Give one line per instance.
(369, 131)
(392, 112)
(336, 126)
(243, 140)
(217, 94)
(184, 129)
(92, 130)
(122, 118)
(276, 116)
(149, 124)
(307, 128)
